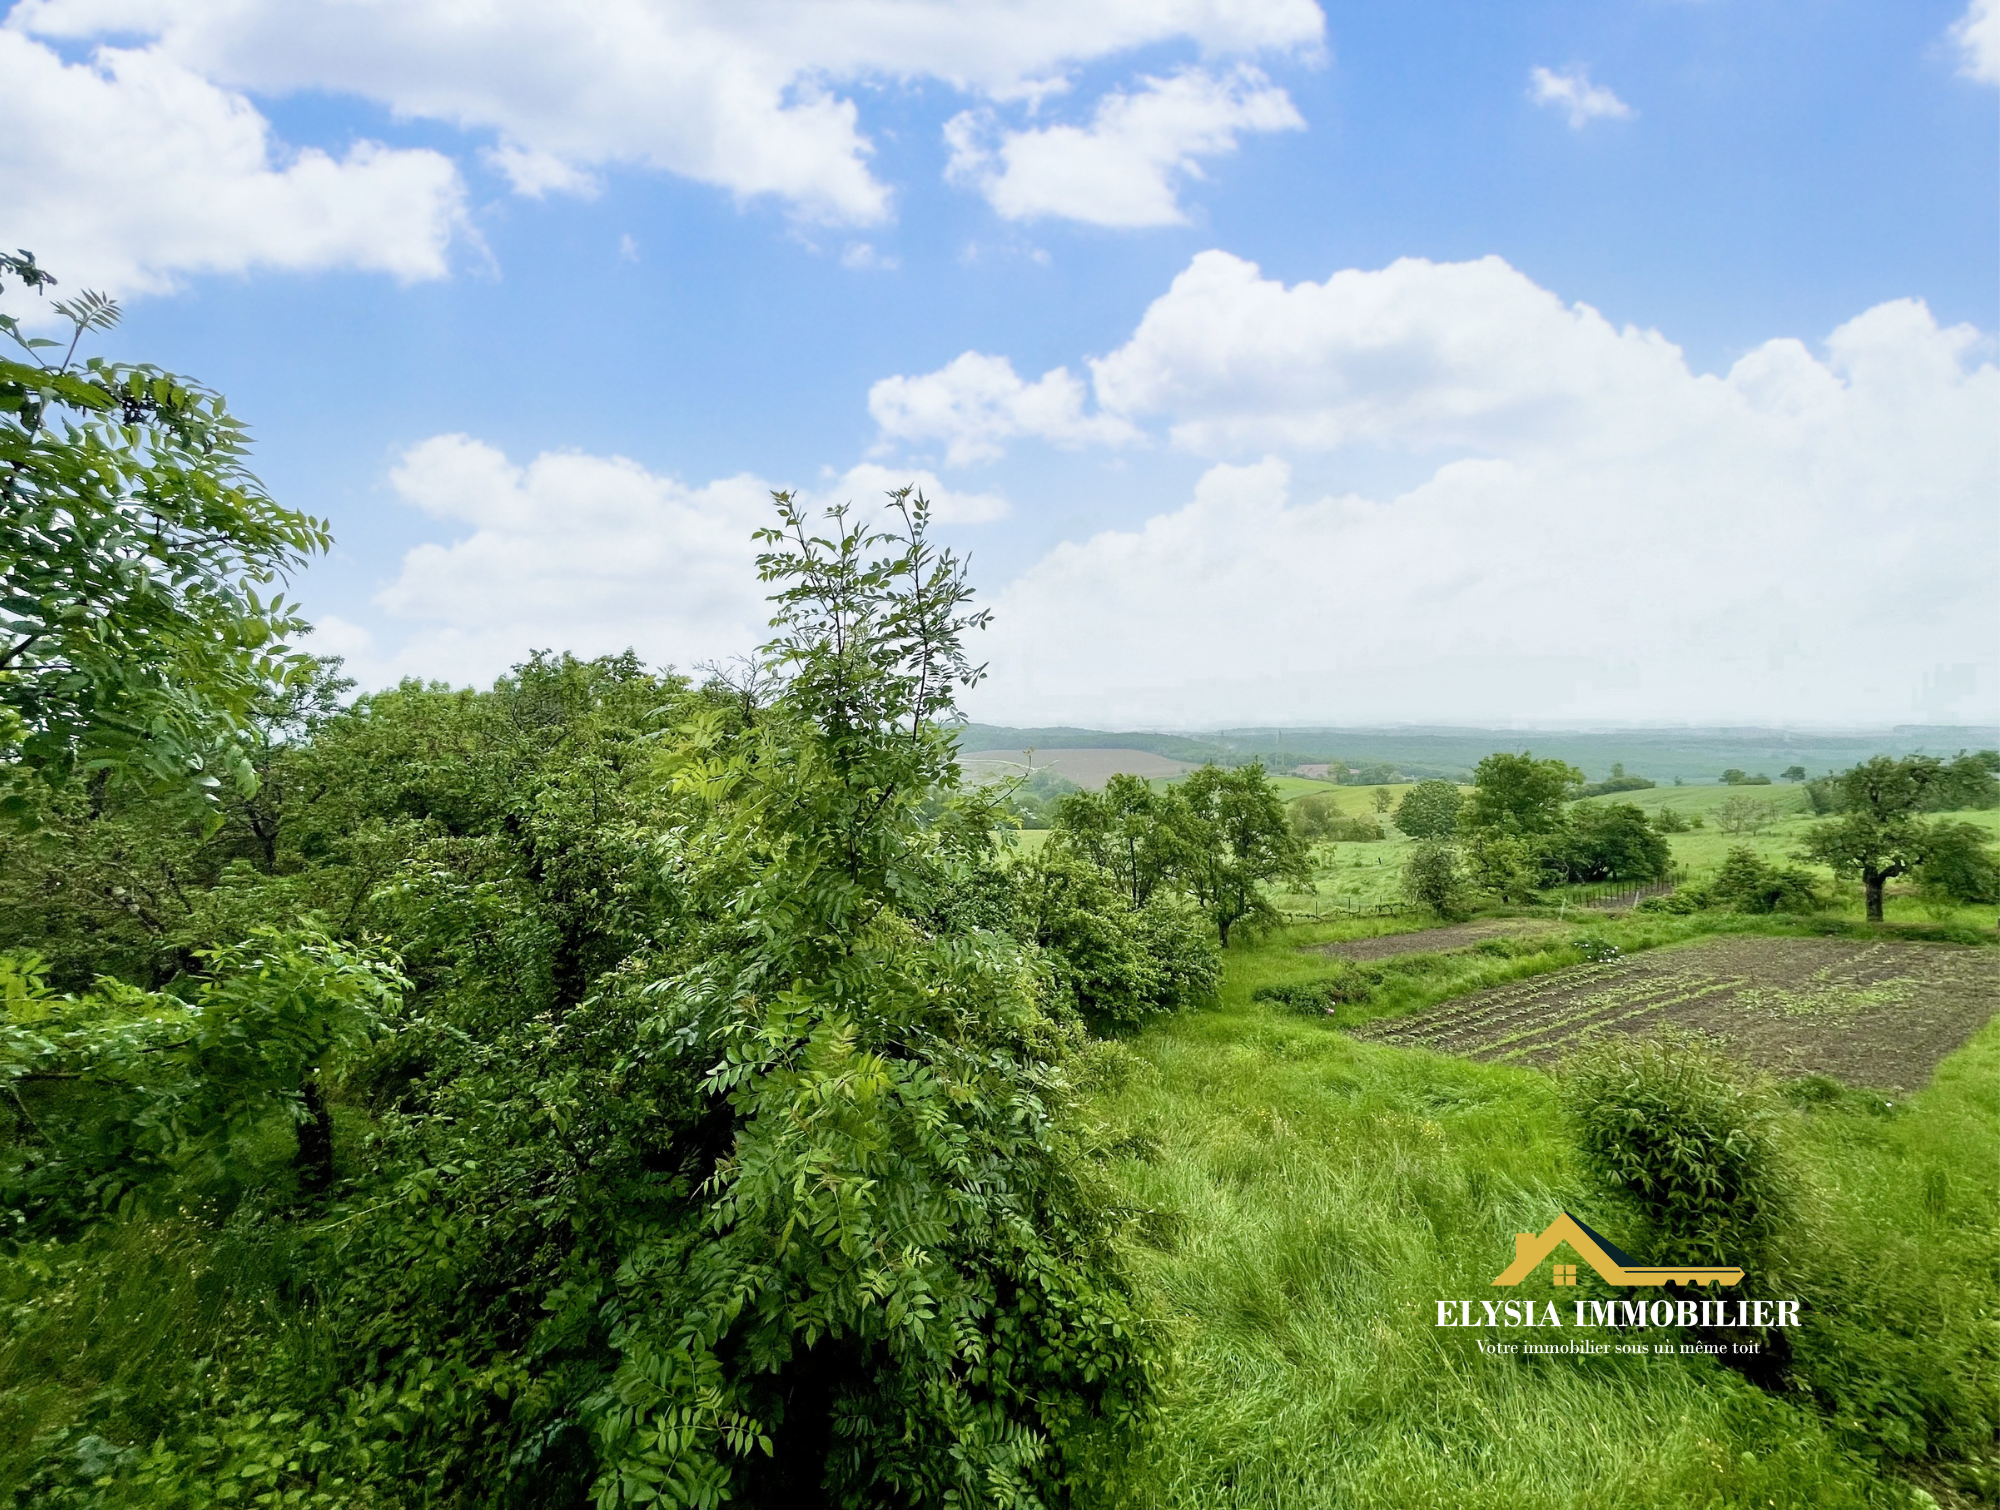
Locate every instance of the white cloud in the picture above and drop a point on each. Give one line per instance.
(1977, 34)
(1803, 538)
(1574, 94)
(976, 401)
(1416, 355)
(586, 553)
(1124, 168)
(734, 93)
(125, 172)
(570, 552)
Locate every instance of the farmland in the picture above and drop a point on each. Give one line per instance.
(1089, 769)
(1872, 1013)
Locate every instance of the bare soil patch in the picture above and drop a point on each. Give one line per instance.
(1458, 936)
(1869, 1014)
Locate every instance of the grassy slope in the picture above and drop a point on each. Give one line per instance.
(1309, 1198)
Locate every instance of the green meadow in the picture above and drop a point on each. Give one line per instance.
(1302, 1201)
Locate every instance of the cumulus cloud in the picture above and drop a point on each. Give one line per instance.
(1125, 168)
(572, 552)
(1977, 35)
(1806, 537)
(592, 554)
(129, 170)
(1416, 355)
(1572, 93)
(976, 402)
(740, 94)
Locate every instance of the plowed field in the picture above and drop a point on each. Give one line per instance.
(1869, 1014)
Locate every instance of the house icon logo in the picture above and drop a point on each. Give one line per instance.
(1614, 1266)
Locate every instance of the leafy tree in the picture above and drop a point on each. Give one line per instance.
(1429, 810)
(1613, 842)
(1507, 866)
(1744, 815)
(1433, 878)
(1241, 839)
(137, 632)
(1967, 782)
(1793, 773)
(1961, 865)
(1518, 794)
(120, 1088)
(1141, 836)
(1879, 833)
(1383, 801)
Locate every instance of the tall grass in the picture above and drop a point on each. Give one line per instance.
(1302, 1201)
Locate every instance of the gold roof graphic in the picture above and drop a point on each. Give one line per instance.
(1615, 1267)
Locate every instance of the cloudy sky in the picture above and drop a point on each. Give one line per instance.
(1277, 361)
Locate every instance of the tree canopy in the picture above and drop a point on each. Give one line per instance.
(138, 622)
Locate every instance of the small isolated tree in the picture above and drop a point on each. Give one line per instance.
(1429, 810)
(1743, 815)
(1240, 838)
(1433, 878)
(1382, 799)
(1879, 833)
(1794, 773)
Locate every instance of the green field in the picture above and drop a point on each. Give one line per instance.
(1304, 1199)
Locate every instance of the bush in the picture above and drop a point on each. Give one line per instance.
(1432, 878)
(1318, 817)
(1673, 1132)
(1748, 884)
(1962, 867)
(1667, 821)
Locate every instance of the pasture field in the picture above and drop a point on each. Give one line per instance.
(1876, 1013)
(1301, 1198)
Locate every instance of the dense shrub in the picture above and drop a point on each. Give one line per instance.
(1433, 877)
(1113, 963)
(1318, 817)
(1608, 842)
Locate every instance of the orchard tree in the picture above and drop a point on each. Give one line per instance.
(137, 627)
(1879, 833)
(1429, 810)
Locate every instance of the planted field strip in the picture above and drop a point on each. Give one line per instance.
(1430, 940)
(1874, 1014)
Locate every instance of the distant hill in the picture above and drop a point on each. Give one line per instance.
(1692, 754)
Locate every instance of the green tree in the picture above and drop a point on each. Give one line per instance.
(1140, 836)
(1879, 833)
(1383, 801)
(1793, 773)
(1240, 839)
(1518, 794)
(1614, 842)
(1960, 865)
(1433, 878)
(137, 629)
(1429, 810)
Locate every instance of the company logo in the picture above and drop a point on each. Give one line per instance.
(1612, 1265)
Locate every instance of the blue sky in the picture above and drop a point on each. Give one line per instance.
(1442, 362)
